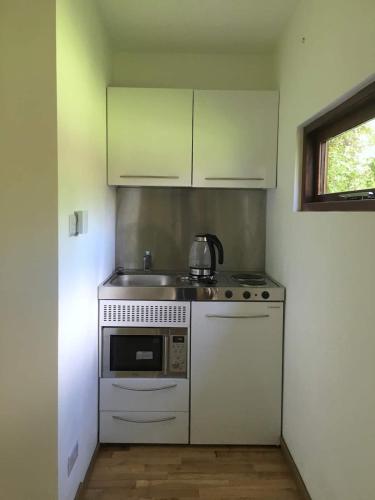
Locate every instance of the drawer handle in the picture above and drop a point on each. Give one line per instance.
(234, 178)
(140, 421)
(126, 388)
(149, 177)
(237, 317)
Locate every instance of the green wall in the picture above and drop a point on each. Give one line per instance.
(28, 251)
(326, 261)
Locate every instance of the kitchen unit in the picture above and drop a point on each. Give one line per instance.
(232, 368)
(174, 137)
(227, 385)
(144, 389)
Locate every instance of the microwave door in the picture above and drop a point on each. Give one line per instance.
(135, 352)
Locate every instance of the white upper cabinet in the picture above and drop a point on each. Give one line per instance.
(149, 137)
(235, 138)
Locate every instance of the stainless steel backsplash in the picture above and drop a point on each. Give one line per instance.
(165, 220)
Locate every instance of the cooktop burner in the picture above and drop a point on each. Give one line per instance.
(249, 278)
(207, 280)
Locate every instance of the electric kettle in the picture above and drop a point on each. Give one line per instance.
(202, 258)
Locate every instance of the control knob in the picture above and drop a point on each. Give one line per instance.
(246, 295)
(229, 294)
(266, 295)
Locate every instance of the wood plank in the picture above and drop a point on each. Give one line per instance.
(190, 472)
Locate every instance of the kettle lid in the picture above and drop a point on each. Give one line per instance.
(201, 237)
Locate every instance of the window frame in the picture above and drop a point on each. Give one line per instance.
(356, 110)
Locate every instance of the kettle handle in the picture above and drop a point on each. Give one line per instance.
(215, 241)
(211, 247)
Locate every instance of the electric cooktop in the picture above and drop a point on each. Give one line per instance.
(243, 286)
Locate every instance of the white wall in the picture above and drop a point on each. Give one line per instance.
(204, 71)
(326, 261)
(28, 251)
(85, 260)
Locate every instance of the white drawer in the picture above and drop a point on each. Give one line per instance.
(144, 427)
(144, 394)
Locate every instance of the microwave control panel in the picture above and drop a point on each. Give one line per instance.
(178, 354)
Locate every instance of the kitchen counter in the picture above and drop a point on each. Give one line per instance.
(169, 285)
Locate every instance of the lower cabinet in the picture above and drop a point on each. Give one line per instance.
(234, 392)
(144, 394)
(144, 427)
(236, 373)
(144, 410)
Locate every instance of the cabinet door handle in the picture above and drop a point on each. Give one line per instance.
(141, 421)
(234, 178)
(149, 176)
(237, 316)
(146, 389)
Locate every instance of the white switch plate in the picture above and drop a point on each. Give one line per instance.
(73, 225)
(82, 221)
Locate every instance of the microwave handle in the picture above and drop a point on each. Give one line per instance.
(165, 354)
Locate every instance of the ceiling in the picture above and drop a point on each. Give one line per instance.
(222, 26)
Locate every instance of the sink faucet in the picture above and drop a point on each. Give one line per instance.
(147, 261)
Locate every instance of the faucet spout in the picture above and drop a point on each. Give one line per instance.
(147, 261)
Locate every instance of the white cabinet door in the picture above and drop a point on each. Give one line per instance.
(144, 427)
(236, 373)
(144, 394)
(235, 138)
(149, 137)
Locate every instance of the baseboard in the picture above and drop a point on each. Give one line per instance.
(82, 485)
(305, 495)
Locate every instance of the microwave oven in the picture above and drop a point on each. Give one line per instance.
(144, 352)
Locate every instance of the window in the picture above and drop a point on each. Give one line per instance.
(339, 156)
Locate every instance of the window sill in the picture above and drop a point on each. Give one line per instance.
(339, 206)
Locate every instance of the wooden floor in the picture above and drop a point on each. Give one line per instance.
(182, 472)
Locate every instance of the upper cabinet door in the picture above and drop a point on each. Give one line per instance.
(149, 137)
(235, 139)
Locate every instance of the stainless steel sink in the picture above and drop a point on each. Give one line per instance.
(143, 280)
(140, 285)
